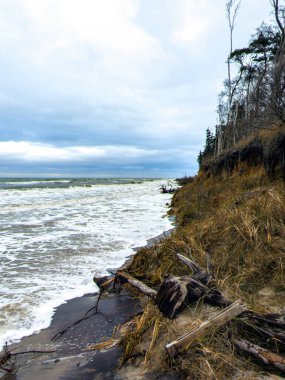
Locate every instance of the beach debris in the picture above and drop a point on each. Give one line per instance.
(200, 275)
(176, 293)
(164, 190)
(205, 328)
(266, 357)
(124, 278)
(103, 283)
(260, 336)
(7, 364)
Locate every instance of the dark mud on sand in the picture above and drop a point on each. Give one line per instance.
(71, 360)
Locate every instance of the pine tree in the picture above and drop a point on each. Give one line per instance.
(200, 159)
(210, 144)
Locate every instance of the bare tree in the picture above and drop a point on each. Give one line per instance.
(278, 83)
(279, 17)
(232, 7)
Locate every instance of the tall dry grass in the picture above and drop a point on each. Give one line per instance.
(239, 224)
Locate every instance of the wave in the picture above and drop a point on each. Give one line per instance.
(37, 183)
(53, 242)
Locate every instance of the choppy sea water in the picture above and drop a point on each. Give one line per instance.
(56, 234)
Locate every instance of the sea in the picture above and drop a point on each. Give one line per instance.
(56, 234)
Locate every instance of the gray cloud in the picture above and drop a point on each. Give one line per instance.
(134, 74)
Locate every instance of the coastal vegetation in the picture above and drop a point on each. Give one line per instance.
(227, 251)
(253, 98)
(229, 244)
(231, 224)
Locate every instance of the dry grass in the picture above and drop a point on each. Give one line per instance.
(246, 241)
(240, 223)
(144, 339)
(243, 231)
(130, 334)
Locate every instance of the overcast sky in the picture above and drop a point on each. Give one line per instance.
(112, 87)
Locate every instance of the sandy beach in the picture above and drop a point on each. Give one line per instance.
(71, 360)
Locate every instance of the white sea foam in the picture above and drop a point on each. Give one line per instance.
(52, 242)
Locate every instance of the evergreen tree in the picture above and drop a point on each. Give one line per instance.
(210, 144)
(200, 159)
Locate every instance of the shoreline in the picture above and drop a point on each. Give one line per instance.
(71, 360)
(51, 251)
(149, 244)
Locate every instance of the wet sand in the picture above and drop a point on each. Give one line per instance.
(71, 360)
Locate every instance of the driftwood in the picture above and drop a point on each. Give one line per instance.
(205, 328)
(5, 358)
(274, 320)
(165, 190)
(268, 330)
(199, 274)
(176, 293)
(103, 284)
(267, 358)
(125, 278)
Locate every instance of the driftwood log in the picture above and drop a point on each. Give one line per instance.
(205, 328)
(267, 358)
(274, 320)
(125, 278)
(165, 190)
(268, 330)
(176, 293)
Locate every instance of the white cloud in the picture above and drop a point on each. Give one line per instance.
(68, 30)
(196, 20)
(36, 152)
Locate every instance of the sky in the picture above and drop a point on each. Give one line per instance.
(112, 88)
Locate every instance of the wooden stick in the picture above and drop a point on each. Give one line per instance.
(205, 328)
(265, 356)
(143, 288)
